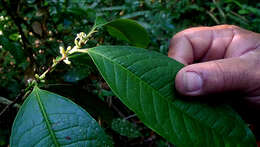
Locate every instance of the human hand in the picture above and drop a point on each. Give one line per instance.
(227, 59)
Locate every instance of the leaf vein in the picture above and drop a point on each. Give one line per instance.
(45, 116)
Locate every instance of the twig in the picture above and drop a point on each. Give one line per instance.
(11, 104)
(220, 10)
(52, 67)
(213, 17)
(79, 41)
(22, 95)
(50, 85)
(8, 102)
(130, 116)
(241, 17)
(116, 109)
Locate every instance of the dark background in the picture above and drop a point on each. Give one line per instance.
(31, 32)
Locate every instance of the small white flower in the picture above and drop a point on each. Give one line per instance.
(67, 61)
(62, 51)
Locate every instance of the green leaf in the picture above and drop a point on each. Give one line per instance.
(144, 81)
(99, 22)
(125, 128)
(76, 74)
(130, 31)
(14, 48)
(47, 119)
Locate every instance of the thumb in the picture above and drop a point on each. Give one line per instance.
(232, 74)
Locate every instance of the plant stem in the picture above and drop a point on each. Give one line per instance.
(82, 50)
(76, 48)
(42, 76)
(8, 102)
(25, 92)
(21, 95)
(213, 17)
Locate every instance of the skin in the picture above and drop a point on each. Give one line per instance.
(218, 59)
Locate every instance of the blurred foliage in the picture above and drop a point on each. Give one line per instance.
(31, 32)
(125, 128)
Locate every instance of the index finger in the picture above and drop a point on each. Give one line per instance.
(201, 43)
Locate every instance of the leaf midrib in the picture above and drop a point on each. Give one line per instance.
(124, 68)
(127, 39)
(45, 116)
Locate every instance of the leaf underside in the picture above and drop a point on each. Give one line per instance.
(47, 119)
(144, 81)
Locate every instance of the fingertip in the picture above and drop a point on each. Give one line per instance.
(179, 86)
(188, 83)
(177, 55)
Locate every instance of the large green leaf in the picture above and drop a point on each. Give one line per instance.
(130, 31)
(47, 119)
(144, 81)
(125, 29)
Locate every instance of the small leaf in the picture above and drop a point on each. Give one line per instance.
(99, 22)
(144, 81)
(125, 128)
(130, 31)
(47, 119)
(37, 28)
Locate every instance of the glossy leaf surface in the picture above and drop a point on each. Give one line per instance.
(144, 81)
(130, 31)
(47, 119)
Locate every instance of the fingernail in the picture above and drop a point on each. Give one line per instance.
(192, 81)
